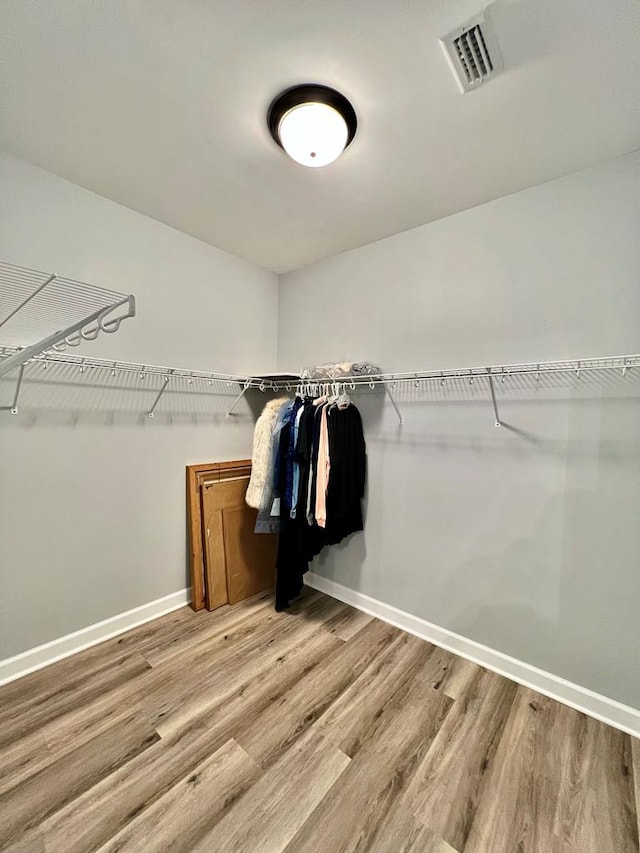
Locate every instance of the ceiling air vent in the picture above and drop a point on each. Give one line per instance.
(473, 53)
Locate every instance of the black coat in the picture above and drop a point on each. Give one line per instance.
(299, 541)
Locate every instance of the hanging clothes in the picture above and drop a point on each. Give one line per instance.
(313, 472)
(260, 490)
(268, 519)
(345, 490)
(328, 446)
(296, 463)
(309, 470)
(323, 466)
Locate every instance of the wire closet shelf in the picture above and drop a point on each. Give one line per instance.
(42, 312)
(388, 382)
(500, 372)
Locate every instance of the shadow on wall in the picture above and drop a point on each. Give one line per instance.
(31, 418)
(345, 561)
(63, 394)
(66, 397)
(544, 390)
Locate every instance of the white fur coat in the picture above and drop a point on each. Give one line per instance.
(260, 490)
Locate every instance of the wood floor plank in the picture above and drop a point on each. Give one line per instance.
(347, 722)
(459, 676)
(249, 631)
(436, 667)
(84, 721)
(274, 730)
(219, 635)
(25, 756)
(25, 806)
(611, 814)
(444, 792)
(22, 758)
(161, 631)
(560, 781)
(349, 817)
(75, 668)
(400, 832)
(169, 702)
(179, 820)
(347, 624)
(90, 820)
(262, 681)
(32, 844)
(79, 725)
(195, 633)
(268, 817)
(595, 808)
(516, 809)
(170, 686)
(59, 698)
(448, 672)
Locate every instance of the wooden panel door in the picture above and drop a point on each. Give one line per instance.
(196, 476)
(238, 562)
(250, 557)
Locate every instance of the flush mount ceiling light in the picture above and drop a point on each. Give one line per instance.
(314, 124)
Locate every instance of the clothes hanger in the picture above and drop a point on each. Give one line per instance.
(344, 400)
(322, 396)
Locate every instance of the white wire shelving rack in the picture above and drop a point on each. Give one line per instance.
(389, 383)
(177, 377)
(41, 313)
(489, 375)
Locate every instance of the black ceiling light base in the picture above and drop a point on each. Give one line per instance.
(308, 94)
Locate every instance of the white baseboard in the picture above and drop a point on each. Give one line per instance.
(615, 714)
(43, 655)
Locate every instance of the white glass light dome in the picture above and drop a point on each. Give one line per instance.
(313, 123)
(313, 134)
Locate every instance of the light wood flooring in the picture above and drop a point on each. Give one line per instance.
(315, 731)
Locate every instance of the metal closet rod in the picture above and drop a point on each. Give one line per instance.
(622, 363)
(143, 370)
(136, 367)
(617, 362)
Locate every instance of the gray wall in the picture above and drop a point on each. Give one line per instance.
(524, 538)
(92, 508)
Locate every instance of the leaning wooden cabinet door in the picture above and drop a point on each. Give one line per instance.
(229, 561)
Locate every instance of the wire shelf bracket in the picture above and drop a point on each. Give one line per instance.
(245, 388)
(36, 301)
(493, 398)
(13, 408)
(160, 393)
(394, 403)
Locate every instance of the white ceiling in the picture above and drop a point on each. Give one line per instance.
(160, 105)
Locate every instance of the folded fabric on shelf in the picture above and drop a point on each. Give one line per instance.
(339, 370)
